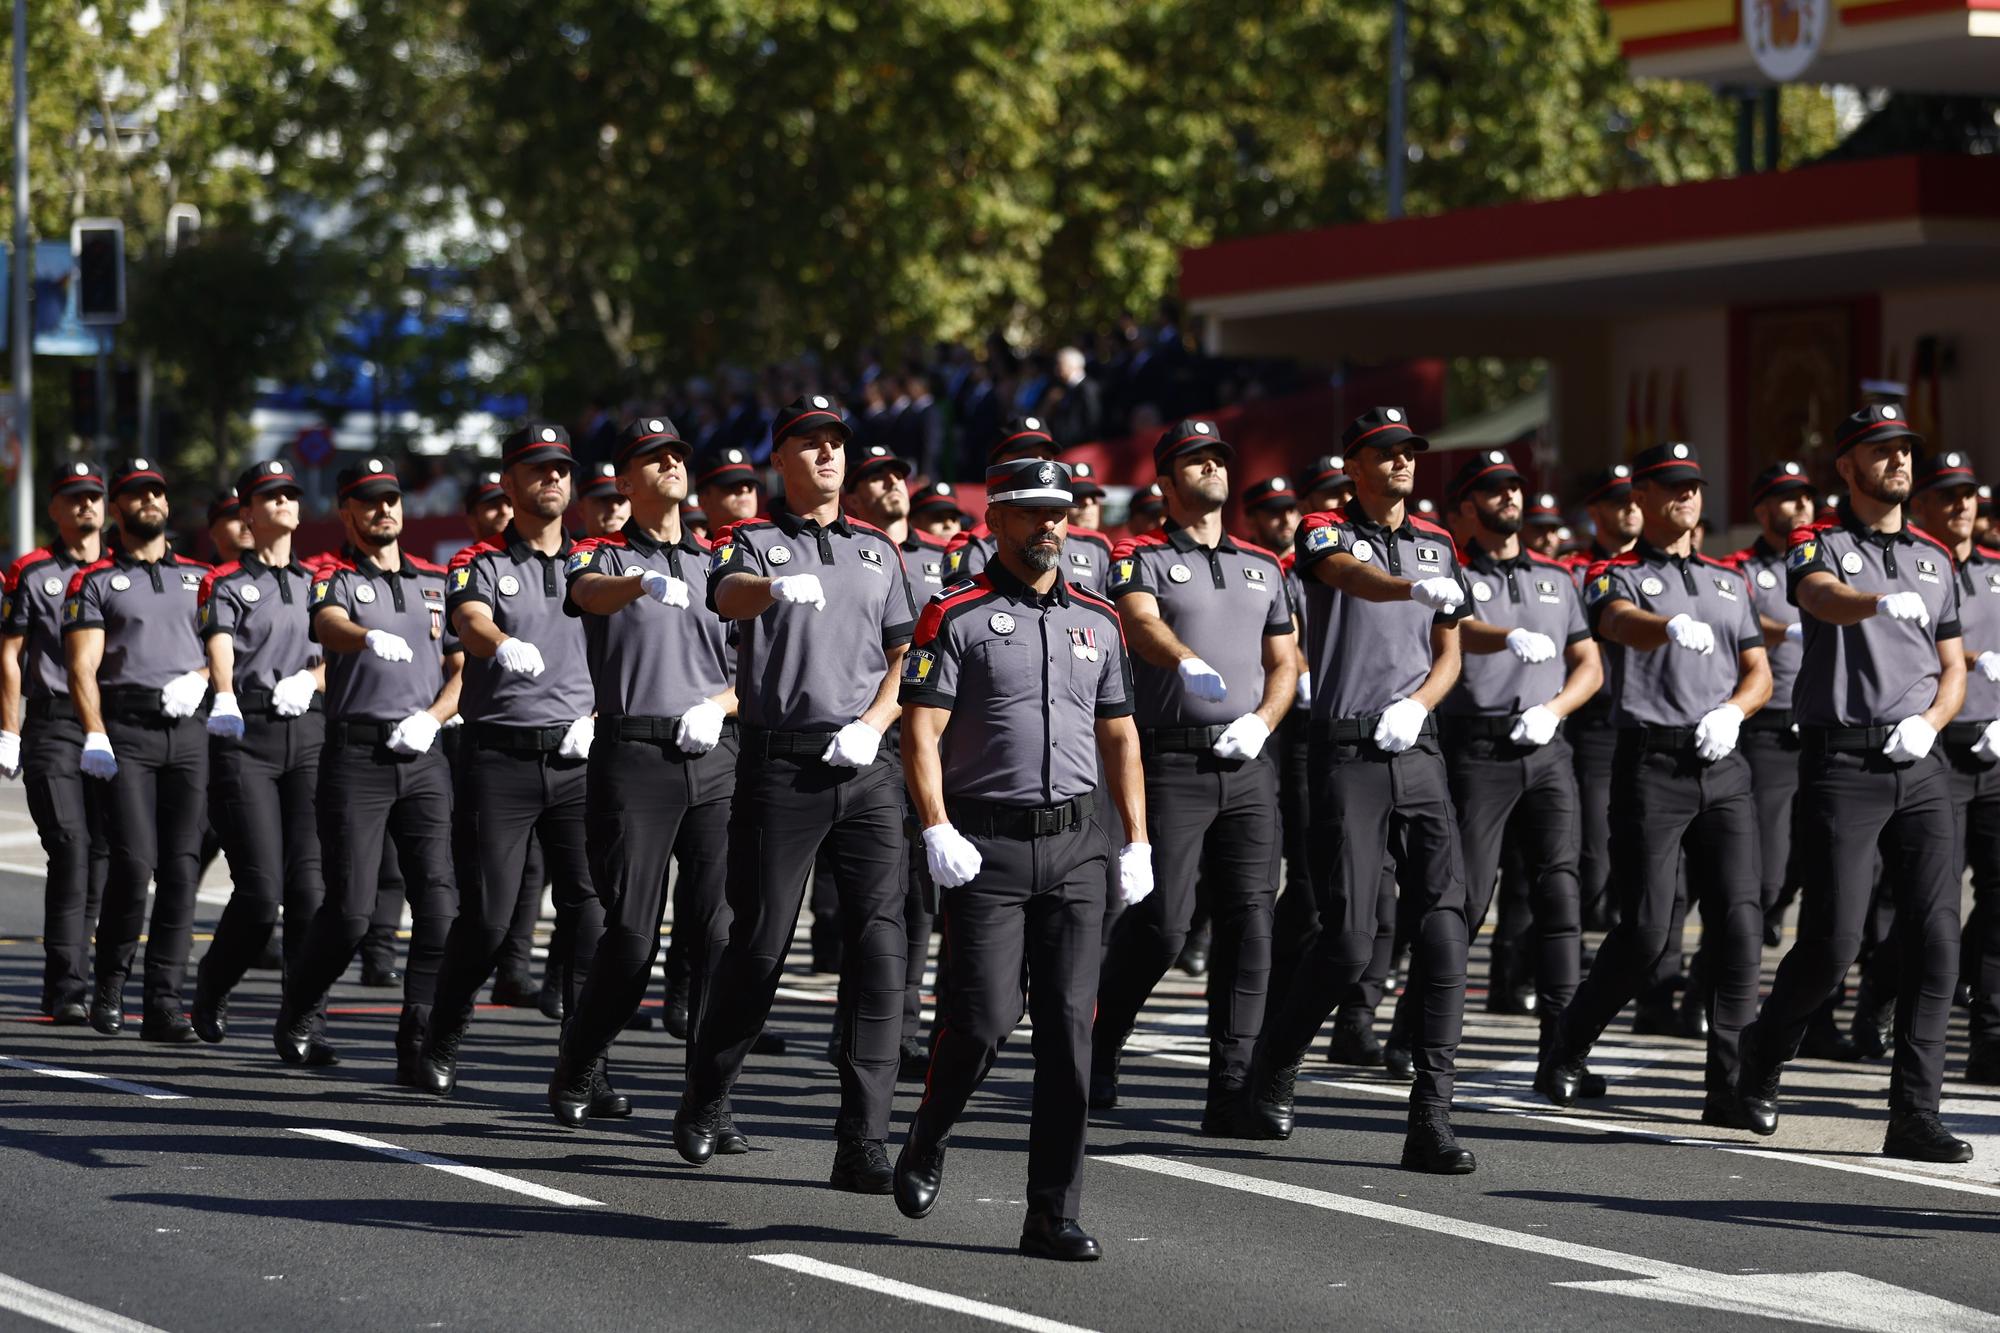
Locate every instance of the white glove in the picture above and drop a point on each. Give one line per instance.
(1202, 681)
(1535, 726)
(951, 856)
(1402, 721)
(293, 695)
(1715, 735)
(1135, 872)
(225, 719)
(1242, 739)
(701, 728)
(10, 754)
(1305, 689)
(1795, 632)
(414, 734)
(98, 761)
(389, 647)
(1986, 747)
(854, 745)
(1905, 606)
(182, 695)
(668, 590)
(1438, 594)
(800, 590)
(1529, 646)
(1913, 737)
(1684, 631)
(520, 655)
(1989, 666)
(576, 741)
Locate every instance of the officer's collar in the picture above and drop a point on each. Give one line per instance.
(1645, 550)
(1863, 532)
(250, 562)
(1358, 517)
(127, 560)
(1486, 562)
(1183, 541)
(1008, 586)
(640, 540)
(366, 565)
(793, 524)
(519, 548)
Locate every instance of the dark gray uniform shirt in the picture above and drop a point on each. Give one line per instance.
(1670, 686)
(1880, 671)
(648, 659)
(1222, 603)
(147, 613)
(263, 611)
(408, 601)
(1086, 557)
(33, 609)
(1979, 618)
(1366, 655)
(924, 558)
(1528, 592)
(799, 668)
(523, 590)
(1024, 677)
(1764, 570)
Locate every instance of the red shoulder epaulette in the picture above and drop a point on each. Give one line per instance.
(1429, 526)
(934, 610)
(208, 583)
(424, 566)
(15, 570)
(467, 554)
(1130, 544)
(1800, 536)
(76, 579)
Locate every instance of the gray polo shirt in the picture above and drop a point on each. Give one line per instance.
(523, 590)
(32, 610)
(1979, 618)
(924, 558)
(147, 613)
(1222, 602)
(1880, 671)
(648, 659)
(799, 668)
(1763, 568)
(263, 611)
(1670, 686)
(407, 601)
(1024, 677)
(1086, 557)
(1366, 655)
(1527, 592)
(1295, 591)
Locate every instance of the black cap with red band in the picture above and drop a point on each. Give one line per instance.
(1083, 482)
(269, 476)
(1611, 483)
(136, 472)
(367, 479)
(1779, 479)
(1543, 511)
(1488, 467)
(1382, 428)
(937, 498)
(484, 491)
(648, 435)
(1272, 493)
(1329, 472)
(1023, 435)
(603, 482)
(1186, 437)
(1872, 425)
(876, 458)
(223, 506)
(808, 412)
(535, 442)
(724, 467)
(78, 479)
(1668, 464)
(1950, 468)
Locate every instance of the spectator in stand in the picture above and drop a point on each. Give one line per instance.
(1075, 405)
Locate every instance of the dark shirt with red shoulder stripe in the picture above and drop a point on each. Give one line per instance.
(1024, 675)
(648, 659)
(147, 612)
(1671, 686)
(1086, 557)
(407, 601)
(262, 608)
(32, 609)
(523, 589)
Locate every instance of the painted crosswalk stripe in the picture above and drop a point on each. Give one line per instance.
(451, 1168)
(60, 1311)
(146, 1090)
(938, 1300)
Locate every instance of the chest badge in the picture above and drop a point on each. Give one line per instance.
(1429, 553)
(872, 558)
(1993, 582)
(1081, 559)
(119, 583)
(509, 585)
(1002, 623)
(1651, 586)
(190, 580)
(1766, 579)
(1927, 570)
(250, 593)
(780, 555)
(1851, 562)
(1363, 551)
(1083, 643)
(933, 570)
(52, 586)
(1725, 590)
(1180, 573)
(1481, 592)
(364, 593)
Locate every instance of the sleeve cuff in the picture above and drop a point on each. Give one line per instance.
(1123, 708)
(926, 698)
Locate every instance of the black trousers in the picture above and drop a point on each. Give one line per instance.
(1975, 787)
(369, 796)
(787, 806)
(1527, 795)
(263, 802)
(71, 818)
(378, 943)
(158, 805)
(1512, 947)
(1295, 929)
(1774, 768)
(1593, 744)
(649, 802)
(1215, 819)
(1665, 805)
(1368, 806)
(1029, 920)
(517, 953)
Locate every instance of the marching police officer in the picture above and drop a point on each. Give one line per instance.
(526, 699)
(1614, 521)
(268, 728)
(1383, 598)
(1088, 511)
(726, 487)
(934, 512)
(662, 768)
(1147, 511)
(1542, 529)
(139, 679)
(41, 742)
(1086, 553)
(228, 527)
(824, 618)
(1209, 624)
(487, 508)
(1018, 680)
(605, 507)
(1325, 487)
(392, 680)
(1687, 666)
(1883, 672)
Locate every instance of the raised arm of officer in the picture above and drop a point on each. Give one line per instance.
(1825, 598)
(337, 632)
(1367, 581)
(1150, 637)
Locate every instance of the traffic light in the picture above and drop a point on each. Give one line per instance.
(98, 246)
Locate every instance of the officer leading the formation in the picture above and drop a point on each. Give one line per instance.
(1882, 674)
(1016, 683)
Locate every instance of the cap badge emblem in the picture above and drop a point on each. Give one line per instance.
(1201, 428)
(1047, 474)
(656, 426)
(1394, 414)
(374, 465)
(1889, 413)
(1680, 451)
(819, 402)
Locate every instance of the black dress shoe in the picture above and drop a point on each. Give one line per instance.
(1919, 1136)
(167, 1025)
(1058, 1238)
(1982, 1063)
(1961, 994)
(913, 1062)
(1193, 958)
(516, 990)
(675, 1016)
(1757, 1086)
(1431, 1147)
(571, 1090)
(550, 999)
(1268, 1114)
(861, 1166)
(1353, 1041)
(1692, 1018)
(729, 1140)
(695, 1131)
(1724, 1110)
(1228, 1114)
(1559, 1076)
(410, 1029)
(209, 1013)
(1397, 1059)
(70, 1014)
(107, 1007)
(606, 1102)
(1103, 1081)
(919, 1176)
(437, 1059)
(1874, 1024)
(767, 1042)
(380, 975)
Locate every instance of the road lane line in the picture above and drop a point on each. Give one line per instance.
(451, 1168)
(1856, 1168)
(145, 1090)
(941, 1300)
(54, 1308)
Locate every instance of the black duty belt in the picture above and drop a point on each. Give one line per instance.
(52, 708)
(1844, 740)
(757, 740)
(132, 703)
(656, 728)
(1962, 733)
(1665, 740)
(1180, 740)
(1361, 730)
(993, 820)
(516, 740)
(359, 733)
(259, 702)
(1482, 728)
(1769, 719)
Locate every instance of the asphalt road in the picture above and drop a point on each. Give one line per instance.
(212, 1188)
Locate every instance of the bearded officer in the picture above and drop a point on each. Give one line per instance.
(1086, 553)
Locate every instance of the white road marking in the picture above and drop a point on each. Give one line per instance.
(24, 838)
(1835, 1300)
(145, 1090)
(940, 1300)
(451, 1168)
(54, 1308)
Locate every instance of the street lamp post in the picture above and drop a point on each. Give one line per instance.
(23, 275)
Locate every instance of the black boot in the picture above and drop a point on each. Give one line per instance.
(1430, 1146)
(1228, 1114)
(1193, 958)
(1353, 1040)
(675, 1016)
(919, 1177)
(1757, 1085)
(1874, 1025)
(606, 1102)
(1692, 1020)
(1560, 1073)
(380, 973)
(166, 1024)
(1058, 1238)
(515, 990)
(913, 1062)
(1269, 1114)
(696, 1127)
(861, 1166)
(297, 1038)
(1104, 1073)
(551, 1000)
(70, 1014)
(210, 1013)
(410, 1029)
(572, 1087)
(437, 1060)
(107, 1006)
(1919, 1136)
(729, 1140)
